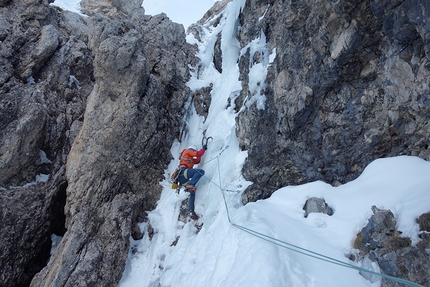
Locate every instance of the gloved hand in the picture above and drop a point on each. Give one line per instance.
(205, 147)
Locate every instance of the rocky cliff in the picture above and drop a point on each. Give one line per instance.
(95, 102)
(45, 78)
(350, 83)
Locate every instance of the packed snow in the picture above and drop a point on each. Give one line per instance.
(223, 253)
(69, 5)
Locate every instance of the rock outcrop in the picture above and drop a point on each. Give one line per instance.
(317, 205)
(381, 242)
(45, 77)
(29, 216)
(113, 169)
(102, 96)
(349, 84)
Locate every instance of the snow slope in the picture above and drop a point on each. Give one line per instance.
(222, 254)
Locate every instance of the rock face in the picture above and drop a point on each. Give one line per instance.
(120, 154)
(349, 84)
(379, 241)
(29, 217)
(101, 96)
(317, 205)
(45, 78)
(94, 103)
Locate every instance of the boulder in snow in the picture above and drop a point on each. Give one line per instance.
(317, 205)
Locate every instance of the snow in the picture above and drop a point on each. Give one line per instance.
(258, 70)
(30, 81)
(43, 157)
(263, 243)
(69, 5)
(223, 255)
(39, 178)
(55, 241)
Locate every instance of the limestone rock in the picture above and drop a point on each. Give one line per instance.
(380, 226)
(317, 205)
(36, 112)
(24, 226)
(202, 100)
(29, 216)
(20, 146)
(4, 3)
(43, 49)
(132, 116)
(380, 242)
(424, 222)
(349, 84)
(112, 8)
(214, 10)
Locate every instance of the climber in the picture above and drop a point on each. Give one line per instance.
(189, 176)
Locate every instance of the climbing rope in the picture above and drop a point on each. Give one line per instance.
(293, 247)
(219, 173)
(215, 157)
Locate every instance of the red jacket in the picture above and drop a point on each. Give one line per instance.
(189, 157)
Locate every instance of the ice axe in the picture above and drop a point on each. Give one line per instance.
(205, 140)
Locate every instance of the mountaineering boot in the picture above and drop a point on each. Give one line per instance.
(190, 188)
(193, 215)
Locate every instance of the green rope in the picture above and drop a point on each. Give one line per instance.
(215, 157)
(319, 256)
(217, 185)
(293, 247)
(219, 172)
(223, 195)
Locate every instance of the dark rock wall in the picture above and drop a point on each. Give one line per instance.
(25, 218)
(118, 158)
(349, 84)
(41, 109)
(396, 256)
(102, 96)
(39, 102)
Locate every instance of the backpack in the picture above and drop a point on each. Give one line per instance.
(175, 174)
(187, 158)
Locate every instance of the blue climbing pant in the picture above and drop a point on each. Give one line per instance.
(191, 201)
(190, 176)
